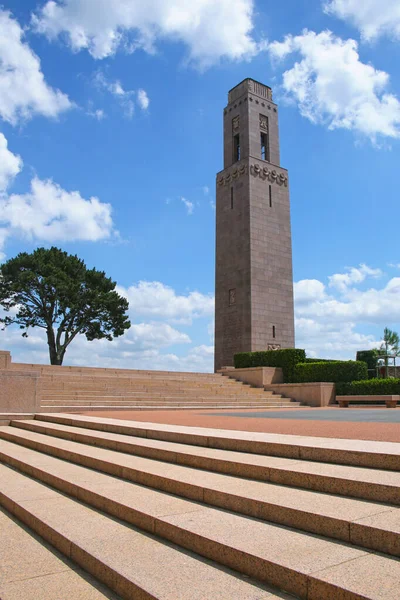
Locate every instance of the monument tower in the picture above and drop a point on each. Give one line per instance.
(254, 280)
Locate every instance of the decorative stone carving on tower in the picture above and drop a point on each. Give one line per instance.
(254, 280)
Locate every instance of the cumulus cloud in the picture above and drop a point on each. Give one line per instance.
(49, 213)
(330, 318)
(327, 340)
(23, 89)
(354, 275)
(10, 164)
(308, 289)
(140, 348)
(150, 336)
(332, 86)
(373, 18)
(156, 300)
(210, 30)
(373, 306)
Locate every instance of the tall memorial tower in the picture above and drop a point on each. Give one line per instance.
(254, 280)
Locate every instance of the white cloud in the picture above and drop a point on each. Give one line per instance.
(373, 18)
(52, 214)
(23, 89)
(126, 98)
(354, 275)
(189, 205)
(10, 164)
(97, 114)
(210, 30)
(308, 289)
(330, 324)
(143, 99)
(374, 306)
(324, 340)
(333, 87)
(156, 300)
(140, 348)
(150, 336)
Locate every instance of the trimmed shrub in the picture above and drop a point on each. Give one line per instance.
(369, 387)
(287, 359)
(370, 357)
(336, 371)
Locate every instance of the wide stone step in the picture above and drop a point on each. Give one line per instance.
(368, 524)
(242, 388)
(128, 379)
(163, 394)
(144, 382)
(80, 382)
(133, 564)
(308, 566)
(380, 486)
(96, 408)
(174, 405)
(189, 398)
(159, 397)
(176, 401)
(30, 570)
(375, 455)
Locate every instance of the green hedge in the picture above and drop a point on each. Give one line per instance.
(370, 357)
(369, 387)
(287, 359)
(336, 371)
(318, 360)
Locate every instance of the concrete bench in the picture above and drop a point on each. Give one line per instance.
(390, 401)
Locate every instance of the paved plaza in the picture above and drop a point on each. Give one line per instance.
(353, 415)
(364, 423)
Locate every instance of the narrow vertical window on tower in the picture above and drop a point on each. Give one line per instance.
(263, 146)
(270, 195)
(236, 147)
(231, 198)
(273, 331)
(264, 138)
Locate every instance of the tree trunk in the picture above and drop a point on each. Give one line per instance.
(51, 340)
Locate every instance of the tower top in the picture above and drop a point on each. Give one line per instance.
(250, 86)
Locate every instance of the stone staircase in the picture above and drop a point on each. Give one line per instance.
(176, 513)
(77, 389)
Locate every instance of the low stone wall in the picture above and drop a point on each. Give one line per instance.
(5, 359)
(19, 391)
(256, 376)
(311, 394)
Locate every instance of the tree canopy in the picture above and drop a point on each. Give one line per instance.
(55, 291)
(390, 347)
(391, 342)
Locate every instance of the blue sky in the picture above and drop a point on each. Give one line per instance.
(111, 136)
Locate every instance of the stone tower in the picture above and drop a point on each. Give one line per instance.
(254, 280)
